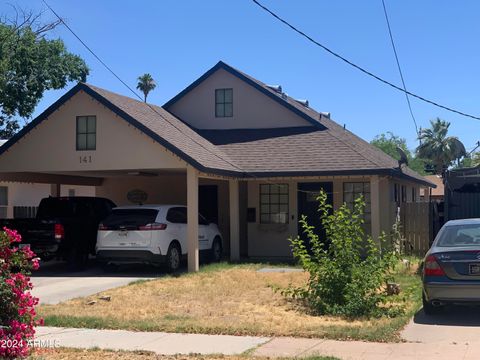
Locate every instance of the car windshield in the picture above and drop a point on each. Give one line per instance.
(130, 218)
(460, 235)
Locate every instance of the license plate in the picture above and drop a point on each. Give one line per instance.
(474, 269)
(21, 246)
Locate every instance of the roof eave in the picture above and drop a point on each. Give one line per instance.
(302, 173)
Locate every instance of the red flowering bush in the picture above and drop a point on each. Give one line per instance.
(17, 305)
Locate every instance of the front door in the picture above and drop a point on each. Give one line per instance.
(308, 205)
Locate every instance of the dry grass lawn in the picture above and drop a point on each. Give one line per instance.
(235, 300)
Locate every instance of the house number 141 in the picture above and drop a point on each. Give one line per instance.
(85, 159)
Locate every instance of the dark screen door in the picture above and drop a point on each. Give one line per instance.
(308, 205)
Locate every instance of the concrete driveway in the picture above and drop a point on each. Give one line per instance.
(456, 325)
(53, 284)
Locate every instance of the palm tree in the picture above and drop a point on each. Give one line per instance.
(146, 84)
(438, 148)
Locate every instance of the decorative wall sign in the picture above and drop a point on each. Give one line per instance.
(137, 196)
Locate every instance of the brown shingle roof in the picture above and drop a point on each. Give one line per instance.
(349, 149)
(182, 139)
(326, 149)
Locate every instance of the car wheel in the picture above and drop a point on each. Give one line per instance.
(217, 250)
(173, 257)
(428, 308)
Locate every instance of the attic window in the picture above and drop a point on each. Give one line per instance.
(223, 102)
(86, 133)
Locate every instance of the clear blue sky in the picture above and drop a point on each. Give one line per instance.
(177, 40)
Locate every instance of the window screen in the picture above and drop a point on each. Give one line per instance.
(274, 203)
(223, 102)
(351, 191)
(86, 132)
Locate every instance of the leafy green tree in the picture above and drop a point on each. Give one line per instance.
(389, 142)
(146, 84)
(347, 269)
(439, 148)
(30, 64)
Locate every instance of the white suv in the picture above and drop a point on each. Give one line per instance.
(154, 234)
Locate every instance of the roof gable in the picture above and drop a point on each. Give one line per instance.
(51, 146)
(311, 150)
(261, 87)
(153, 121)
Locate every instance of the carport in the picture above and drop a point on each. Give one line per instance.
(128, 145)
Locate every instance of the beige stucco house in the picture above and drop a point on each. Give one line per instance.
(247, 155)
(21, 199)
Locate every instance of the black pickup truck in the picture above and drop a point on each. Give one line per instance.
(64, 228)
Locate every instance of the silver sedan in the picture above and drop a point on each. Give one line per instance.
(451, 270)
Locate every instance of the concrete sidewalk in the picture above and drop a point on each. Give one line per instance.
(296, 347)
(170, 344)
(158, 342)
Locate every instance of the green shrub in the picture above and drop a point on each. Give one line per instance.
(348, 270)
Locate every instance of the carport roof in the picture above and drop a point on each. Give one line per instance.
(327, 149)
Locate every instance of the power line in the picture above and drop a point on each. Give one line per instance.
(399, 67)
(90, 50)
(309, 38)
(135, 93)
(140, 98)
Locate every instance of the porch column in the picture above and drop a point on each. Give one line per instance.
(234, 220)
(192, 219)
(375, 206)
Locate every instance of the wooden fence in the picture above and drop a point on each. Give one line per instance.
(416, 221)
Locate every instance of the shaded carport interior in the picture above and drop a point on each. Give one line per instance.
(163, 186)
(148, 143)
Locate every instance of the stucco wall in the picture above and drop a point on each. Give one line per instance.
(30, 194)
(251, 108)
(51, 146)
(78, 190)
(166, 189)
(271, 240)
